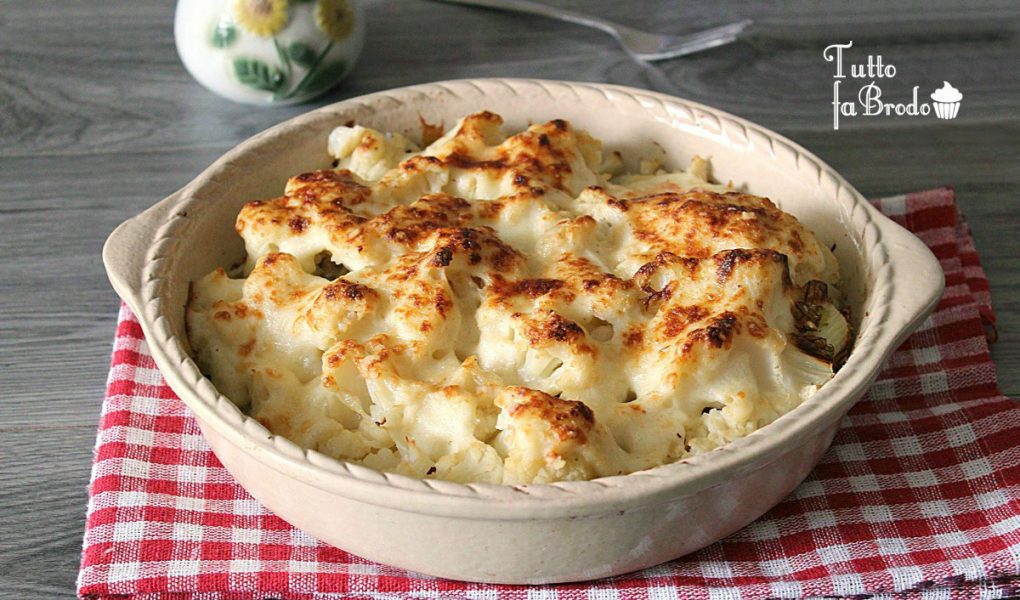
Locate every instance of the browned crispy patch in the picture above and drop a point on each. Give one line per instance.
(328, 185)
(443, 303)
(297, 294)
(343, 289)
(420, 163)
(298, 224)
(408, 225)
(654, 300)
(697, 223)
(664, 260)
(489, 210)
(314, 199)
(534, 288)
(246, 348)
(727, 260)
(562, 329)
(795, 242)
(715, 214)
(550, 326)
(678, 318)
(334, 359)
(619, 204)
(457, 247)
(442, 257)
(569, 420)
(366, 356)
(720, 331)
(462, 161)
(476, 122)
(368, 143)
(243, 311)
(581, 276)
(633, 336)
(272, 258)
(430, 132)
(530, 288)
(475, 244)
(537, 158)
(326, 175)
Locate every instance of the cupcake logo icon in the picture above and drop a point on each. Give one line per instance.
(946, 101)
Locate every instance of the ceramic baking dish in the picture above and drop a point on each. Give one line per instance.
(558, 532)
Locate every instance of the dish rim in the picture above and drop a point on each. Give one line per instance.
(138, 279)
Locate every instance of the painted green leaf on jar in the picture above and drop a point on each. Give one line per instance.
(301, 54)
(258, 75)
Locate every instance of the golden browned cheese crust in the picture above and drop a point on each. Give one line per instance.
(512, 309)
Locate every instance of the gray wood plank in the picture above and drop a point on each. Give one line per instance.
(58, 315)
(138, 96)
(45, 474)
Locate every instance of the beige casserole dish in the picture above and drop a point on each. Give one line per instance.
(558, 532)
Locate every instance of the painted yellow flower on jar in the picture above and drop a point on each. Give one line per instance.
(261, 17)
(335, 18)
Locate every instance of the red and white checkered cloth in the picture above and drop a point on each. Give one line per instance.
(920, 492)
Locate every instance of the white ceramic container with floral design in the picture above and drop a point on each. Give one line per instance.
(269, 51)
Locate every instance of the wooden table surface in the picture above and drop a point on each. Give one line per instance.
(99, 120)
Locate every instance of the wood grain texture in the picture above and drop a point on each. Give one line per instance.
(98, 120)
(45, 474)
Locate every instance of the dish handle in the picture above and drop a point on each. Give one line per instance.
(126, 250)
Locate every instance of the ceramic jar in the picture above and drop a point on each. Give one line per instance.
(269, 51)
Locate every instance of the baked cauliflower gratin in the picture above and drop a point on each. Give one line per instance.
(515, 309)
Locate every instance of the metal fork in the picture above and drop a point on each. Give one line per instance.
(641, 44)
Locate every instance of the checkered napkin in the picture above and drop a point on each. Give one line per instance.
(919, 494)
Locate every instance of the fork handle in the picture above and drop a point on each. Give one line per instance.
(536, 8)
